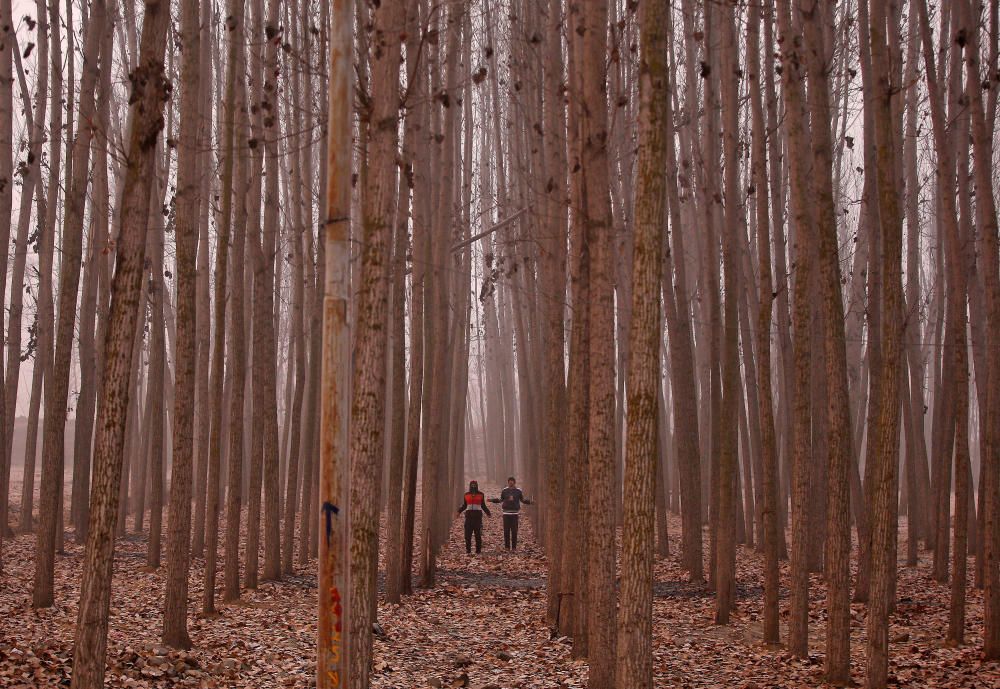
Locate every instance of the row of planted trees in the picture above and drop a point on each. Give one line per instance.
(183, 328)
(754, 282)
(166, 238)
(203, 365)
(695, 294)
(648, 257)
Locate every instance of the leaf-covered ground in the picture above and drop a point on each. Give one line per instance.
(481, 626)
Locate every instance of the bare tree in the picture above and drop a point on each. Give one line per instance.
(769, 509)
(728, 460)
(151, 90)
(634, 665)
(798, 143)
(886, 441)
(57, 392)
(600, 529)
(838, 415)
(188, 189)
(983, 124)
(234, 27)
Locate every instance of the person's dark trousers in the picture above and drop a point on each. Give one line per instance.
(510, 531)
(474, 525)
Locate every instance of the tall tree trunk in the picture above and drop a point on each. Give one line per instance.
(368, 404)
(435, 449)
(572, 618)
(265, 337)
(554, 272)
(203, 319)
(175, 605)
(151, 90)
(600, 531)
(57, 393)
(838, 414)
(886, 441)
(728, 462)
(982, 137)
(8, 46)
(405, 420)
(416, 122)
(798, 143)
(332, 665)
(769, 509)
(634, 666)
(234, 491)
(682, 369)
(31, 174)
(234, 26)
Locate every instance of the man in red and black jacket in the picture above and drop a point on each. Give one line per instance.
(474, 504)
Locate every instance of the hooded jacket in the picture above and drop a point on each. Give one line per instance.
(474, 503)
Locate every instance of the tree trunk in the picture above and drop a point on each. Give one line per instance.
(982, 137)
(31, 174)
(57, 394)
(798, 143)
(728, 479)
(234, 491)
(157, 366)
(417, 122)
(435, 448)
(151, 90)
(553, 268)
(368, 405)
(634, 666)
(264, 280)
(601, 528)
(203, 304)
(838, 414)
(572, 618)
(175, 606)
(886, 440)
(234, 24)
(769, 510)
(405, 420)
(682, 368)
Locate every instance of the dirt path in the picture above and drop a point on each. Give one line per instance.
(482, 626)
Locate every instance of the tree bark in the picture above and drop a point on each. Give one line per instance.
(573, 600)
(682, 368)
(634, 666)
(982, 137)
(728, 463)
(886, 441)
(234, 24)
(57, 392)
(798, 143)
(237, 343)
(175, 605)
(151, 90)
(30, 171)
(601, 528)
(769, 509)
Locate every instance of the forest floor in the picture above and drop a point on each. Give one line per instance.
(481, 626)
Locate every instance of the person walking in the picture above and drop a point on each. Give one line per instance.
(474, 504)
(510, 503)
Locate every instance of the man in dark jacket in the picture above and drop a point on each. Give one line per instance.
(474, 504)
(510, 502)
